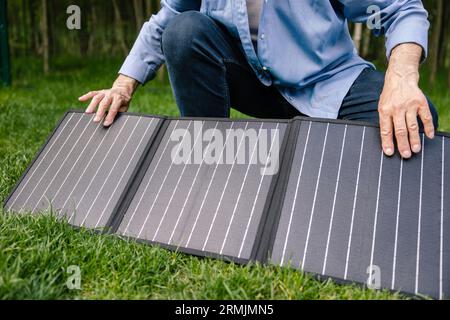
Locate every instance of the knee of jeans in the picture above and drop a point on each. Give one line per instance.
(177, 39)
(434, 113)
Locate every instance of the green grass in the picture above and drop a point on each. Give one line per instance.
(35, 251)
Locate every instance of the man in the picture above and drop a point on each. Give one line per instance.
(283, 58)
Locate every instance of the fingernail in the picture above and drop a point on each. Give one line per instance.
(432, 135)
(389, 151)
(406, 154)
(96, 119)
(416, 148)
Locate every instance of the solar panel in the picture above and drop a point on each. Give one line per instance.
(311, 194)
(209, 207)
(351, 213)
(84, 169)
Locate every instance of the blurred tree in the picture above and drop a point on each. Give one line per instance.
(5, 73)
(37, 27)
(436, 40)
(45, 36)
(366, 43)
(357, 36)
(139, 14)
(119, 27)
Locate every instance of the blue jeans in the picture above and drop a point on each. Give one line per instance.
(210, 75)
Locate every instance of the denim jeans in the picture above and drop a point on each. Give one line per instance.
(210, 75)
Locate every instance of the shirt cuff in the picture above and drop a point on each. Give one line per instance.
(408, 32)
(136, 68)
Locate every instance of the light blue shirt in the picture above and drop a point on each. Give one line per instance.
(304, 46)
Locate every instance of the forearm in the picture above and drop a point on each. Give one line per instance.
(404, 63)
(146, 56)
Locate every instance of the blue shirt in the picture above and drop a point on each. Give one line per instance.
(304, 46)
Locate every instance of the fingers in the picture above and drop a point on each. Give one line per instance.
(386, 130)
(94, 102)
(427, 120)
(413, 131)
(102, 108)
(401, 134)
(113, 111)
(88, 96)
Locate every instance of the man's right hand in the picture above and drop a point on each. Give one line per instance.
(111, 101)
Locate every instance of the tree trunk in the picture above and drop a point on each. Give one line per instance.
(93, 24)
(45, 37)
(162, 71)
(148, 9)
(34, 28)
(448, 80)
(434, 57)
(119, 28)
(25, 27)
(84, 34)
(138, 14)
(443, 39)
(5, 70)
(366, 43)
(357, 34)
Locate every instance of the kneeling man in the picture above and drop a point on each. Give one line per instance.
(281, 59)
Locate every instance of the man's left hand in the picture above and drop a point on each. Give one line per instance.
(402, 102)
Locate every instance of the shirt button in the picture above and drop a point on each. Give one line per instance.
(263, 36)
(265, 68)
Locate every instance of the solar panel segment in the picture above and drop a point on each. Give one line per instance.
(84, 168)
(212, 207)
(351, 213)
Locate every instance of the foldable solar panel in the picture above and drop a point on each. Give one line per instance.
(209, 208)
(83, 170)
(351, 213)
(308, 193)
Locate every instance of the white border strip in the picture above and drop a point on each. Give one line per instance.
(354, 205)
(311, 217)
(295, 196)
(334, 201)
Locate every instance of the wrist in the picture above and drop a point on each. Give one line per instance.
(405, 73)
(404, 63)
(126, 83)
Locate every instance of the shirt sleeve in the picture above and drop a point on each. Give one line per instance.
(401, 21)
(146, 57)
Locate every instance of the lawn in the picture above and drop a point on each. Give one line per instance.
(35, 251)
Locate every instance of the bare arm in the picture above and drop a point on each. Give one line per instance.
(402, 101)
